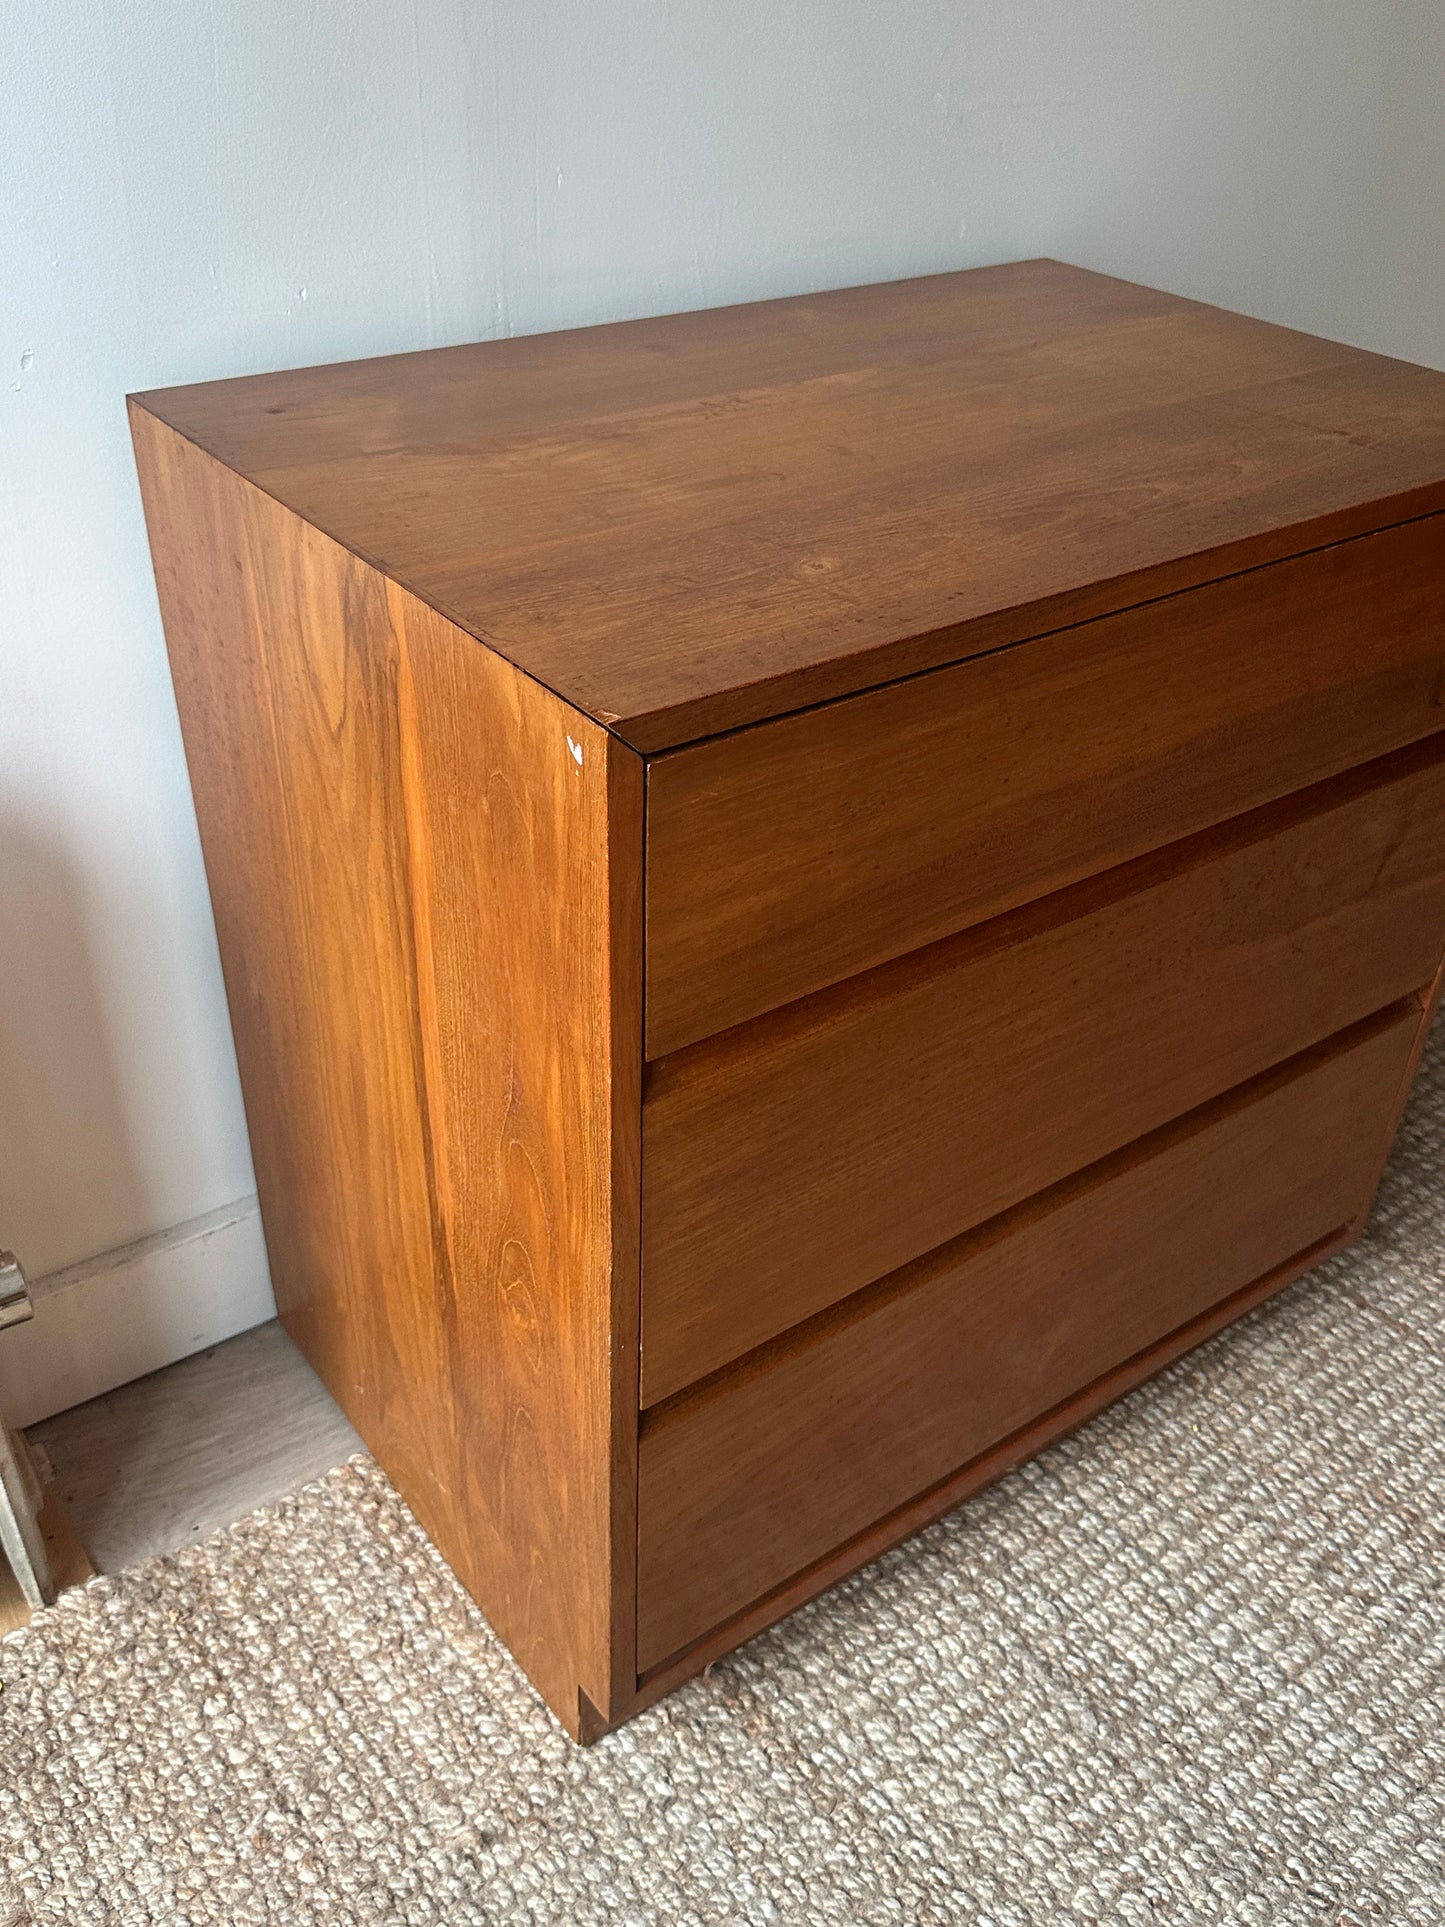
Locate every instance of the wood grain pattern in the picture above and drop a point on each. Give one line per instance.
(773, 1464)
(786, 857)
(527, 831)
(689, 523)
(425, 874)
(796, 1159)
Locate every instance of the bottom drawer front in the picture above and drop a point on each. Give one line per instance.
(773, 1465)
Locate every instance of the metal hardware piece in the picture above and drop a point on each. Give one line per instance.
(15, 1301)
(21, 1539)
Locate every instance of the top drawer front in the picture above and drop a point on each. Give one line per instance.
(794, 854)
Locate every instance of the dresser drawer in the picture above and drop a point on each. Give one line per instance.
(793, 1160)
(789, 856)
(751, 1479)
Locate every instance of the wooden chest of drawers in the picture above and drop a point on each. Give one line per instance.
(808, 893)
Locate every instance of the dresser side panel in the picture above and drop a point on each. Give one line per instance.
(526, 827)
(424, 870)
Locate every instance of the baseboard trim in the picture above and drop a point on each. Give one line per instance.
(129, 1311)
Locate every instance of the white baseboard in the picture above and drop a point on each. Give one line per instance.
(110, 1319)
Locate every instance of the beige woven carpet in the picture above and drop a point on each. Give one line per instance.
(1188, 1667)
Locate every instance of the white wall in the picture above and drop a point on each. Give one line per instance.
(189, 191)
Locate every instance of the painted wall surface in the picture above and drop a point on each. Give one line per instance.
(190, 190)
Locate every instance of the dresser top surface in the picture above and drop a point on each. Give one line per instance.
(691, 523)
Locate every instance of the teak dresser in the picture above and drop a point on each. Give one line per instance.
(808, 893)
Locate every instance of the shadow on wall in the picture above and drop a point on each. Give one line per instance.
(118, 1299)
(67, 1173)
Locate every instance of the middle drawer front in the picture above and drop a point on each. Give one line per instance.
(792, 1161)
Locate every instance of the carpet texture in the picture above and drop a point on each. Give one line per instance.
(1187, 1667)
